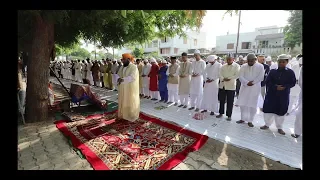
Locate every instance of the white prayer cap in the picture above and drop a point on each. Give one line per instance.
(240, 56)
(300, 60)
(145, 60)
(294, 59)
(196, 51)
(268, 58)
(152, 60)
(283, 56)
(164, 61)
(211, 58)
(114, 60)
(251, 56)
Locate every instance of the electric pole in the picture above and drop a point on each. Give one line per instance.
(238, 34)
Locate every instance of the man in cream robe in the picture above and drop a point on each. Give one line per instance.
(211, 87)
(185, 72)
(196, 87)
(78, 71)
(89, 72)
(173, 82)
(140, 68)
(145, 79)
(128, 96)
(250, 75)
(114, 68)
(298, 111)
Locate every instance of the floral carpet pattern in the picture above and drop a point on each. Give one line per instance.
(145, 144)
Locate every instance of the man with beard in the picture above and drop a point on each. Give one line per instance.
(250, 75)
(211, 86)
(145, 79)
(128, 84)
(114, 68)
(196, 85)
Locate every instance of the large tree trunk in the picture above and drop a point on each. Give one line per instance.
(38, 64)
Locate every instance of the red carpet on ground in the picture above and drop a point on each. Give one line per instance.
(146, 144)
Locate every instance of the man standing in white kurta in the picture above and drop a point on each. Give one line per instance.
(298, 109)
(211, 87)
(173, 81)
(251, 75)
(146, 80)
(196, 86)
(114, 68)
(185, 72)
(78, 71)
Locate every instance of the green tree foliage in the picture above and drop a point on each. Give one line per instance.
(293, 31)
(137, 52)
(40, 30)
(80, 52)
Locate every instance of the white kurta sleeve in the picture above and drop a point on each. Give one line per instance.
(205, 74)
(128, 79)
(168, 71)
(300, 78)
(203, 68)
(260, 76)
(241, 76)
(217, 73)
(190, 70)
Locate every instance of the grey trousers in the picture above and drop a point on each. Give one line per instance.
(21, 100)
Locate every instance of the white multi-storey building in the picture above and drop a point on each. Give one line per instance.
(172, 46)
(264, 40)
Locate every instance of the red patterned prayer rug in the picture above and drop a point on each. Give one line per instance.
(146, 144)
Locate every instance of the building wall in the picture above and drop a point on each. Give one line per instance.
(223, 41)
(274, 45)
(173, 46)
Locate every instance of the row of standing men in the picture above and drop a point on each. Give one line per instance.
(210, 86)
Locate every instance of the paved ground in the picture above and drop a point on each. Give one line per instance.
(42, 147)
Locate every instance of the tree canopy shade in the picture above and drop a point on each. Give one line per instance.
(40, 30)
(293, 31)
(138, 53)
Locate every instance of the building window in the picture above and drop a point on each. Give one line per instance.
(155, 43)
(185, 41)
(230, 46)
(195, 42)
(176, 50)
(165, 50)
(246, 45)
(263, 44)
(164, 40)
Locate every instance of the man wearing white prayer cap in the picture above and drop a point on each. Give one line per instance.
(211, 87)
(251, 75)
(298, 109)
(153, 87)
(269, 61)
(145, 79)
(114, 75)
(196, 87)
